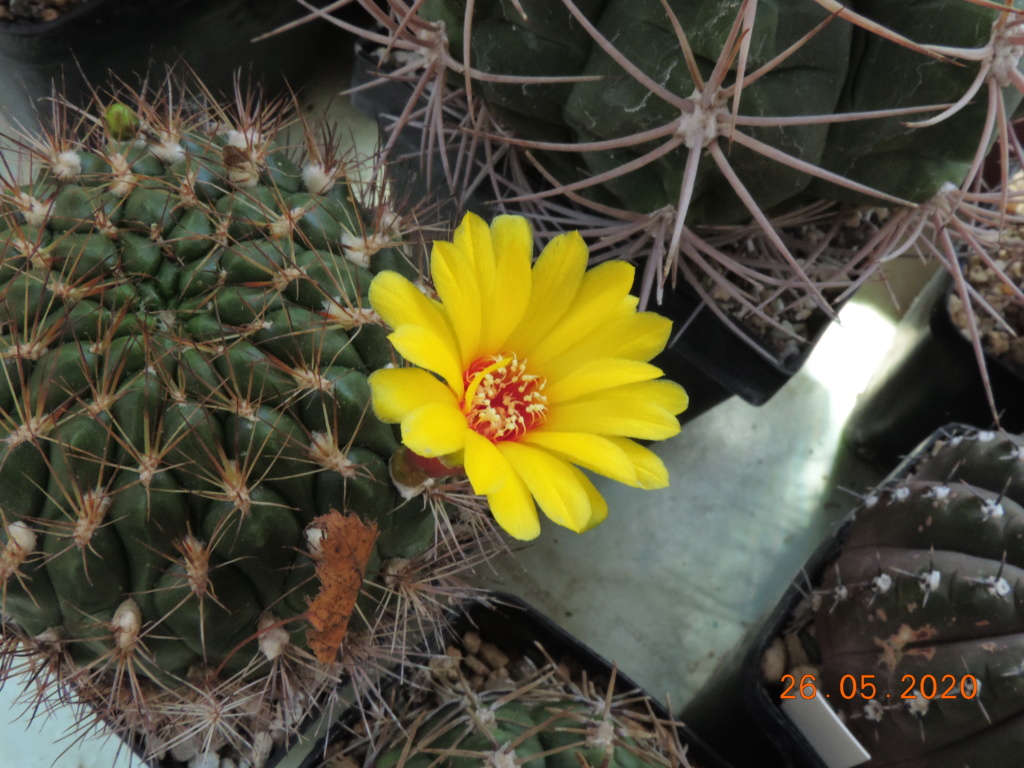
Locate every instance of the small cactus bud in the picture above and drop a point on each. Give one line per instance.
(274, 639)
(121, 121)
(127, 623)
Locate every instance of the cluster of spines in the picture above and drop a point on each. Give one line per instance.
(474, 110)
(546, 720)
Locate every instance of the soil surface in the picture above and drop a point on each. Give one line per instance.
(35, 11)
(999, 281)
(1003, 340)
(788, 319)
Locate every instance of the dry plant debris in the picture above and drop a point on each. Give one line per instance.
(344, 546)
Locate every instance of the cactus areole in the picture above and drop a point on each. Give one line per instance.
(184, 415)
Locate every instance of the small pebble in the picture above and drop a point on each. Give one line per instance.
(795, 650)
(477, 666)
(471, 642)
(993, 288)
(773, 662)
(445, 667)
(500, 674)
(493, 655)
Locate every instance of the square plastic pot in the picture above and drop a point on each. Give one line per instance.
(930, 377)
(738, 700)
(763, 697)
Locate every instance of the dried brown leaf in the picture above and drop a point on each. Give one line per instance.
(346, 544)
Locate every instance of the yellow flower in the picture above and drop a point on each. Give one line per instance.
(524, 372)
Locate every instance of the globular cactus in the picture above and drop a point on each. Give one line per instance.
(195, 501)
(541, 729)
(727, 141)
(527, 711)
(915, 629)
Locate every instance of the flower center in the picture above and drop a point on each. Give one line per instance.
(502, 400)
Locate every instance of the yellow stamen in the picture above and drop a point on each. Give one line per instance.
(474, 384)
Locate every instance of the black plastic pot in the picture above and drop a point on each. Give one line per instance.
(739, 700)
(135, 37)
(511, 623)
(711, 351)
(763, 701)
(930, 377)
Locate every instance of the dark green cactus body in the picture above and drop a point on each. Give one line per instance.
(926, 603)
(184, 390)
(840, 68)
(887, 154)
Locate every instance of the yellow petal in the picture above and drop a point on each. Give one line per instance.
(512, 237)
(601, 291)
(639, 337)
(473, 238)
(555, 280)
(668, 394)
(514, 510)
(596, 375)
(396, 392)
(598, 505)
(552, 482)
(486, 468)
(435, 429)
(629, 335)
(646, 411)
(456, 283)
(421, 347)
(593, 452)
(399, 302)
(651, 472)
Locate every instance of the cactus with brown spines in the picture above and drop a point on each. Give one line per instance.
(542, 727)
(770, 153)
(486, 703)
(199, 534)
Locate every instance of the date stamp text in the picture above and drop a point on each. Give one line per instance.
(864, 687)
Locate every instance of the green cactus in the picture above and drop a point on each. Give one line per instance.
(552, 731)
(185, 342)
(727, 141)
(526, 714)
(607, 104)
(929, 582)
